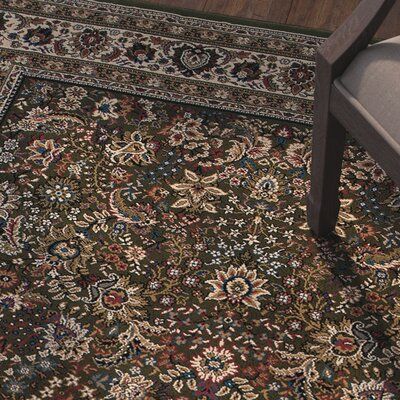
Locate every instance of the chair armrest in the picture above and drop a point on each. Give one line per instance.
(354, 35)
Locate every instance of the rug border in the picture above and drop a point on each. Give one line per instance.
(17, 74)
(186, 12)
(115, 5)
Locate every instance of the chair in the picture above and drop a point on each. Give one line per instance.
(357, 90)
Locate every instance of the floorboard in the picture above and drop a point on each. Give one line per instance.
(267, 10)
(322, 14)
(187, 4)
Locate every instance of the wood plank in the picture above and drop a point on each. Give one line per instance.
(329, 14)
(265, 10)
(323, 14)
(188, 4)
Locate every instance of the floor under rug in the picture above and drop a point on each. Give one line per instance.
(153, 242)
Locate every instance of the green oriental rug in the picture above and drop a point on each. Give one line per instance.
(153, 242)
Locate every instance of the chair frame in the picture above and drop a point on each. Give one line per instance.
(334, 114)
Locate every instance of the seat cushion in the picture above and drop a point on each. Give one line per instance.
(373, 79)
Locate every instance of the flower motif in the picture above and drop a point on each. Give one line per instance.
(265, 186)
(140, 52)
(130, 151)
(106, 108)
(214, 364)
(186, 130)
(198, 192)
(64, 247)
(67, 339)
(343, 344)
(238, 286)
(117, 299)
(246, 71)
(60, 193)
(91, 41)
(135, 254)
(194, 59)
(45, 152)
(75, 92)
(298, 78)
(39, 36)
(8, 199)
(130, 387)
(8, 279)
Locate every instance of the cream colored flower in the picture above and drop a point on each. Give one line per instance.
(105, 109)
(214, 364)
(135, 254)
(131, 387)
(44, 151)
(197, 192)
(238, 286)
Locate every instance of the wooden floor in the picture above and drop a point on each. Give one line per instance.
(319, 14)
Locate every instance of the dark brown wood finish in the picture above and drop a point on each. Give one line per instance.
(268, 10)
(197, 5)
(321, 14)
(315, 14)
(333, 58)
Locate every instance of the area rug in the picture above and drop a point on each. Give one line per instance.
(153, 236)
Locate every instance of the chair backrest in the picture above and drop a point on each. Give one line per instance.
(353, 35)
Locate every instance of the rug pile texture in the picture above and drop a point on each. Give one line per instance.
(153, 241)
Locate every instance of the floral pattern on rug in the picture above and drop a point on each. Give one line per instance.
(232, 67)
(155, 250)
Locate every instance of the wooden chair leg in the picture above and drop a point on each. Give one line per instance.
(327, 155)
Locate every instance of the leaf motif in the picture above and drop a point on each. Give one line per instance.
(250, 396)
(237, 151)
(181, 368)
(191, 176)
(209, 179)
(181, 203)
(89, 218)
(209, 207)
(236, 396)
(178, 385)
(345, 202)
(246, 388)
(191, 383)
(340, 232)
(239, 381)
(215, 191)
(173, 373)
(347, 217)
(81, 224)
(165, 378)
(223, 391)
(181, 186)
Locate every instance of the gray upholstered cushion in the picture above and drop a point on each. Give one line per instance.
(373, 78)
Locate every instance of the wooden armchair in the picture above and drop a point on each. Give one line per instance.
(357, 90)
